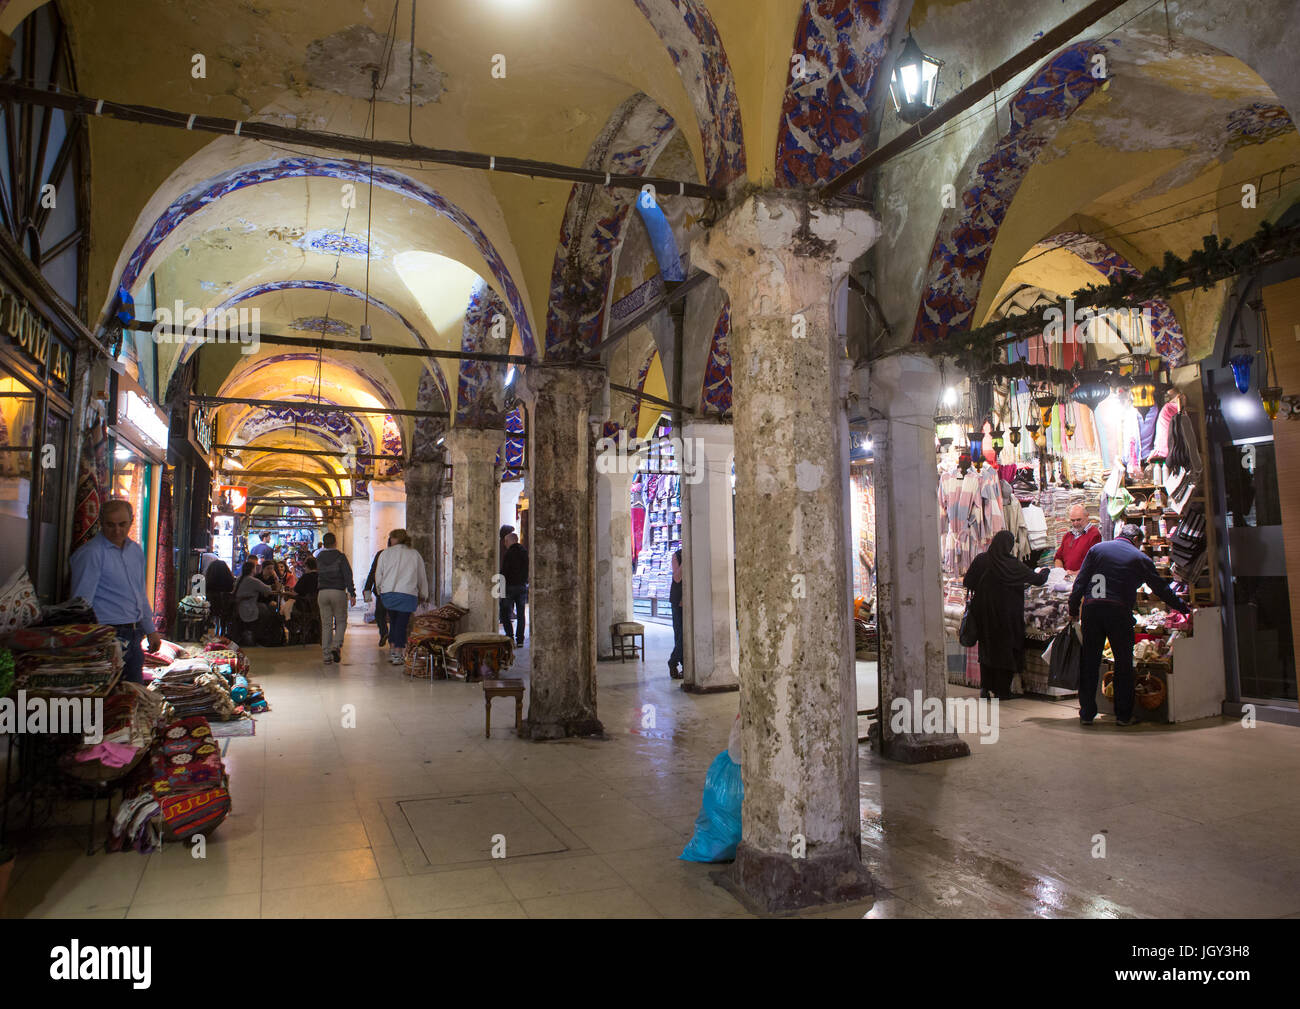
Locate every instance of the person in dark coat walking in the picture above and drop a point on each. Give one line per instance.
(998, 580)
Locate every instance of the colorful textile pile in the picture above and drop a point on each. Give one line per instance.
(132, 715)
(168, 652)
(69, 660)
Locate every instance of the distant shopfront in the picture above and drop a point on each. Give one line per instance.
(139, 436)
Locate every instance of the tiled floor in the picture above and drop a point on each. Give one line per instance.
(1198, 820)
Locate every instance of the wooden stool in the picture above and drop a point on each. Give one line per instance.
(618, 639)
(503, 688)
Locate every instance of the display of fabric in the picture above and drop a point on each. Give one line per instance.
(74, 611)
(90, 489)
(72, 660)
(164, 597)
(19, 606)
(1164, 422)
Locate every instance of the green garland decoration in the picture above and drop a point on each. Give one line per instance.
(1216, 260)
(6, 671)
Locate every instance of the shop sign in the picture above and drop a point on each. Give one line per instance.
(232, 499)
(32, 335)
(145, 419)
(201, 427)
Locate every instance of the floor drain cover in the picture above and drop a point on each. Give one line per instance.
(465, 828)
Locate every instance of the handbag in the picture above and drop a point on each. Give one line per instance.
(1066, 651)
(968, 633)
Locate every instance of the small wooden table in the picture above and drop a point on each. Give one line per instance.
(503, 688)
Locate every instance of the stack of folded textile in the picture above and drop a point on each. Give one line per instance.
(189, 779)
(192, 688)
(132, 714)
(71, 660)
(168, 652)
(184, 793)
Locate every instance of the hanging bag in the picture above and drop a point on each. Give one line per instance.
(1063, 666)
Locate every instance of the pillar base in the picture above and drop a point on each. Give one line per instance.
(541, 731)
(724, 688)
(769, 883)
(911, 749)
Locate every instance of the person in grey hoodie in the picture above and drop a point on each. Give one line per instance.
(336, 592)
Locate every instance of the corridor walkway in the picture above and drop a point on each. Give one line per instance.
(1201, 820)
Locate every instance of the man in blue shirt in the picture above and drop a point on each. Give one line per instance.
(261, 552)
(1107, 586)
(109, 573)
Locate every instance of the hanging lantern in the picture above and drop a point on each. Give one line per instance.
(1045, 414)
(1014, 435)
(1069, 428)
(976, 440)
(997, 439)
(914, 82)
(1241, 371)
(1040, 439)
(941, 421)
(1270, 395)
(1090, 394)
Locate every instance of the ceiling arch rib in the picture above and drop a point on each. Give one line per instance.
(207, 193)
(332, 287)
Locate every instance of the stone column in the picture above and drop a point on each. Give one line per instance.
(909, 594)
(357, 550)
(474, 547)
(779, 258)
(562, 695)
(613, 554)
(423, 482)
(709, 553)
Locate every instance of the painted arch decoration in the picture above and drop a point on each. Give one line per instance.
(692, 40)
(966, 236)
(592, 231)
(717, 373)
(824, 115)
(199, 197)
(1165, 330)
(333, 287)
(480, 393)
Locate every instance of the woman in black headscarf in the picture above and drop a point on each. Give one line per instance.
(998, 580)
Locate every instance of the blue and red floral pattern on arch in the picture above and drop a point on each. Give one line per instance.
(967, 235)
(824, 115)
(717, 375)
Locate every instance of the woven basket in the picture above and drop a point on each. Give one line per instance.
(1154, 694)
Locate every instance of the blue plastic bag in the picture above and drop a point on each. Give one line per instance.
(717, 828)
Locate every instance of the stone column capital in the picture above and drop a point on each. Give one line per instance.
(560, 381)
(905, 386)
(359, 507)
(780, 239)
(468, 445)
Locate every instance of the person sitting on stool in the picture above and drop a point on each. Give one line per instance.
(1107, 587)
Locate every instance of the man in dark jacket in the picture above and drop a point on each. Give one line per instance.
(334, 576)
(514, 569)
(1107, 589)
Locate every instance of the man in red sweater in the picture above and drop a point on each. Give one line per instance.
(1081, 538)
